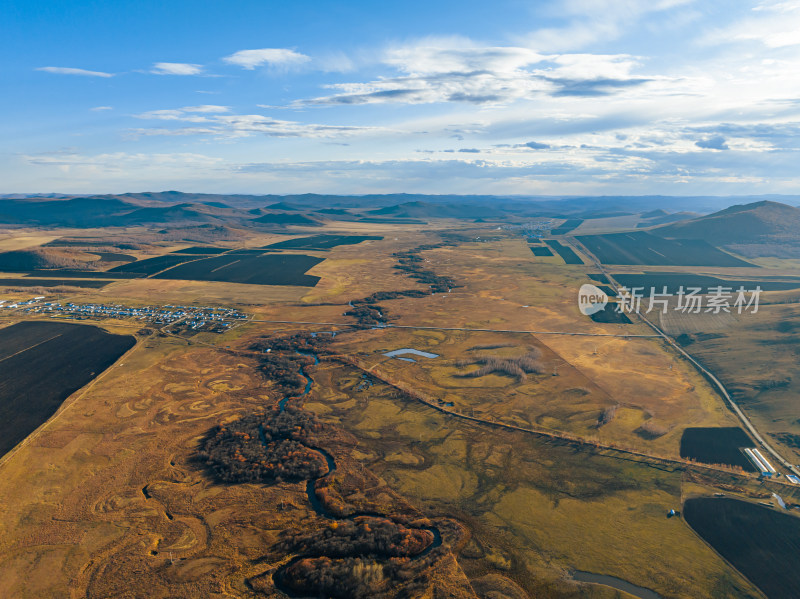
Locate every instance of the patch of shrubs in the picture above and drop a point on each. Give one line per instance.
(362, 536)
(356, 577)
(369, 313)
(265, 448)
(381, 296)
(516, 367)
(303, 342)
(283, 368)
(411, 263)
(348, 578)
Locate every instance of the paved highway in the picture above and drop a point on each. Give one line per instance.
(704, 371)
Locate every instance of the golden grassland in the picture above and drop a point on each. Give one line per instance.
(536, 508)
(505, 288)
(74, 518)
(167, 291)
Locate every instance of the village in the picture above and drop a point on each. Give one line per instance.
(214, 319)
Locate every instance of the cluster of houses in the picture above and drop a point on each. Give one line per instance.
(533, 230)
(196, 318)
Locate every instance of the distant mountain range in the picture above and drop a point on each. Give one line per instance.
(755, 226)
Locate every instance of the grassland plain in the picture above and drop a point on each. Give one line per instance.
(148, 522)
(591, 396)
(11, 240)
(109, 485)
(535, 508)
(504, 288)
(163, 291)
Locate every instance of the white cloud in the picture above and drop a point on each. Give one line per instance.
(451, 55)
(115, 160)
(101, 108)
(274, 57)
(774, 24)
(211, 120)
(589, 67)
(71, 71)
(176, 68)
(206, 108)
(458, 70)
(591, 21)
(186, 114)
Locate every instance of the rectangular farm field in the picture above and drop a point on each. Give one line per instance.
(567, 226)
(540, 250)
(150, 266)
(674, 281)
(717, 445)
(247, 252)
(114, 257)
(25, 282)
(43, 363)
(199, 249)
(646, 249)
(567, 253)
(321, 242)
(82, 274)
(270, 269)
(759, 542)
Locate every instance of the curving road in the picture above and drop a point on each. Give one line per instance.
(411, 326)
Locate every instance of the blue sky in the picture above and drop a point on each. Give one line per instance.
(509, 97)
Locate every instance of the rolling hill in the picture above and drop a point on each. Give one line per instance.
(763, 228)
(419, 209)
(286, 219)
